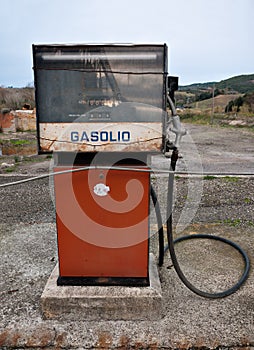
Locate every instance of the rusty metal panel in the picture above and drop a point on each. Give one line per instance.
(96, 137)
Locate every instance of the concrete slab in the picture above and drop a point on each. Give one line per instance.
(93, 303)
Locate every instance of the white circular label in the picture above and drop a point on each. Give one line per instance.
(101, 189)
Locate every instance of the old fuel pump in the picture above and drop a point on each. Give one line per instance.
(102, 111)
(100, 106)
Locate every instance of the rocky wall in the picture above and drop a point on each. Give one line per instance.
(19, 120)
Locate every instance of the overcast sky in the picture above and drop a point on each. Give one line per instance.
(209, 40)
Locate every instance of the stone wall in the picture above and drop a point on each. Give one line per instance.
(25, 120)
(19, 120)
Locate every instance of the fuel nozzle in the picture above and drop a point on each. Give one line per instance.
(174, 125)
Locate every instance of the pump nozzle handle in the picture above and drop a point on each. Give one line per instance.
(176, 127)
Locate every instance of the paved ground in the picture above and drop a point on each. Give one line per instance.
(222, 206)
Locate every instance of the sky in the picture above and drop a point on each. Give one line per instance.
(208, 40)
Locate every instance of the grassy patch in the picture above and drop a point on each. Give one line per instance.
(232, 222)
(34, 159)
(247, 200)
(201, 119)
(20, 142)
(230, 178)
(209, 177)
(10, 169)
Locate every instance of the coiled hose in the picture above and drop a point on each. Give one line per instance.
(172, 242)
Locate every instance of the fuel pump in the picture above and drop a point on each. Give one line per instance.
(102, 112)
(101, 109)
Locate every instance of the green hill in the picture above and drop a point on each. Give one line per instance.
(239, 84)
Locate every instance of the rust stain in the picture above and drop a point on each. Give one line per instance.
(245, 342)
(3, 338)
(68, 137)
(140, 345)
(48, 315)
(183, 344)
(9, 338)
(40, 338)
(6, 120)
(61, 341)
(124, 342)
(104, 340)
(149, 345)
(66, 146)
(154, 345)
(15, 338)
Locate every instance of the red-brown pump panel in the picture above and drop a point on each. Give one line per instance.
(103, 235)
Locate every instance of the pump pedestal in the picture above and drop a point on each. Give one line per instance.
(93, 303)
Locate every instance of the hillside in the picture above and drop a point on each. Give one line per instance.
(241, 104)
(231, 95)
(242, 84)
(239, 84)
(219, 102)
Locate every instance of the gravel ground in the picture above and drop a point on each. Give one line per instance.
(222, 206)
(220, 200)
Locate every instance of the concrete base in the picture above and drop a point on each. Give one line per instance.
(103, 303)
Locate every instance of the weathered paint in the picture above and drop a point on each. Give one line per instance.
(95, 137)
(114, 227)
(7, 122)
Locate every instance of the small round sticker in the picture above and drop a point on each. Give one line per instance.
(101, 189)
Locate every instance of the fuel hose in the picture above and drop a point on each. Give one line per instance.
(160, 226)
(171, 242)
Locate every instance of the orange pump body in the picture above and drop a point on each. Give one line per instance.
(101, 236)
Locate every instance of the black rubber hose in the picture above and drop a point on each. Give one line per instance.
(171, 243)
(232, 244)
(160, 225)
